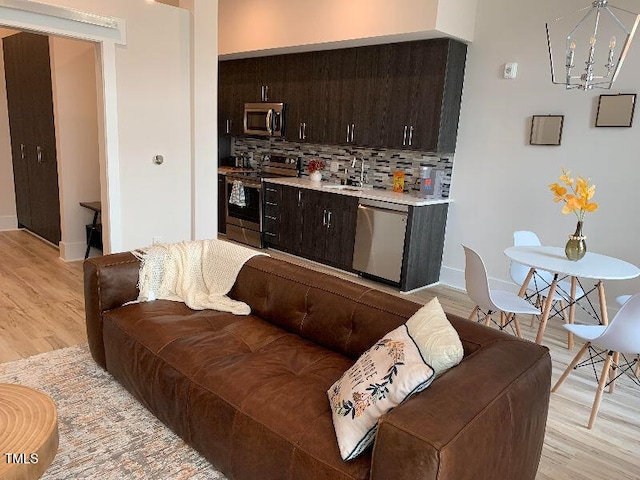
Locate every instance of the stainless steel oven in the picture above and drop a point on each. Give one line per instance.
(244, 197)
(244, 210)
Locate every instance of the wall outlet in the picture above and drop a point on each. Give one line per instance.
(335, 166)
(157, 239)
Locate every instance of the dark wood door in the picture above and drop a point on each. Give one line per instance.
(30, 98)
(341, 230)
(314, 225)
(340, 88)
(290, 220)
(14, 52)
(305, 94)
(369, 95)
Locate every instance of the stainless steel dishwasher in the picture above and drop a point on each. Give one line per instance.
(380, 233)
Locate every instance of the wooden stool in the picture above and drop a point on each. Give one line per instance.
(28, 432)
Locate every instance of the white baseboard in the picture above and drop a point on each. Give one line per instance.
(72, 252)
(8, 222)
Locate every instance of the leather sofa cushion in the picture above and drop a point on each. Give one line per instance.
(236, 379)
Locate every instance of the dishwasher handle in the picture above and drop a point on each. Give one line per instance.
(382, 205)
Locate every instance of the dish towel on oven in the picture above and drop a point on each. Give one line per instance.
(237, 194)
(198, 273)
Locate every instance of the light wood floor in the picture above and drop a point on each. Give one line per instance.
(41, 309)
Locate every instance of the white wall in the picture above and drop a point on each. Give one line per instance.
(8, 217)
(288, 25)
(151, 86)
(500, 183)
(73, 78)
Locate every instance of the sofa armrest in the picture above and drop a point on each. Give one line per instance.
(484, 418)
(109, 282)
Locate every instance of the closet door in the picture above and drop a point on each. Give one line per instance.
(31, 102)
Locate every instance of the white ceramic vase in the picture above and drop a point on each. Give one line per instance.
(316, 176)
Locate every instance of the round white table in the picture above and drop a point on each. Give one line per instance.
(553, 259)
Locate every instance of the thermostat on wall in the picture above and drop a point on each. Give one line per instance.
(510, 70)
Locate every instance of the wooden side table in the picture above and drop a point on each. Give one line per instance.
(28, 432)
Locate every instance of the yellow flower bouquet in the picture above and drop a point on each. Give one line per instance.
(576, 193)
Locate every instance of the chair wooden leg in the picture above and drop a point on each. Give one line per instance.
(573, 363)
(601, 384)
(613, 372)
(516, 324)
(638, 366)
(474, 312)
(487, 318)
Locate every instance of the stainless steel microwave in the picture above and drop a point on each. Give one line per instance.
(264, 119)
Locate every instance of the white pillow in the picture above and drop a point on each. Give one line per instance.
(437, 340)
(383, 377)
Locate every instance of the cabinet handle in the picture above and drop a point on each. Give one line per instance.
(271, 189)
(270, 234)
(304, 131)
(269, 217)
(266, 93)
(262, 93)
(39, 153)
(228, 126)
(299, 197)
(410, 135)
(353, 132)
(329, 219)
(300, 131)
(324, 218)
(22, 155)
(271, 204)
(404, 136)
(348, 132)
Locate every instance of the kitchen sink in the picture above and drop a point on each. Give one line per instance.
(333, 186)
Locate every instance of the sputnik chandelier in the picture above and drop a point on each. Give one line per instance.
(600, 38)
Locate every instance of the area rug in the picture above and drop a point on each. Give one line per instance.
(104, 432)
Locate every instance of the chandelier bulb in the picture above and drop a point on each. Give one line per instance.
(612, 42)
(592, 41)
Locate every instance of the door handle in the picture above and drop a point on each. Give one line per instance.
(22, 155)
(270, 121)
(39, 154)
(404, 136)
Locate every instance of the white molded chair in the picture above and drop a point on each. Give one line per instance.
(621, 336)
(490, 301)
(622, 299)
(541, 282)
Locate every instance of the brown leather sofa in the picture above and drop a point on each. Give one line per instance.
(249, 392)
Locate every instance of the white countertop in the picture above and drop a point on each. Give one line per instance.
(370, 193)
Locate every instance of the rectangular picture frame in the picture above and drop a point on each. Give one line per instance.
(616, 110)
(546, 130)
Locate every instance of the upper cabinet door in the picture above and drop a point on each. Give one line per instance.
(340, 87)
(305, 94)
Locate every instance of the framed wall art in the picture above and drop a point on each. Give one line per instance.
(546, 129)
(616, 110)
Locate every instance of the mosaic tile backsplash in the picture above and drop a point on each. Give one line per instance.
(379, 163)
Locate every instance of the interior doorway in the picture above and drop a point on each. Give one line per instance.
(72, 156)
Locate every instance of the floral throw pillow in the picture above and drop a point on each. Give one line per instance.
(383, 377)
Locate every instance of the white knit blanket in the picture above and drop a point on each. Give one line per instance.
(199, 273)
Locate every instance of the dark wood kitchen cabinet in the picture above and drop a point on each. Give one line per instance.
(222, 203)
(306, 96)
(402, 95)
(329, 228)
(33, 136)
(424, 95)
(316, 225)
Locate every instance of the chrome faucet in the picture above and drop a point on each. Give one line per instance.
(362, 172)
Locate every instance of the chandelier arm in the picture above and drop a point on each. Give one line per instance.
(621, 9)
(617, 20)
(588, 7)
(584, 19)
(625, 49)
